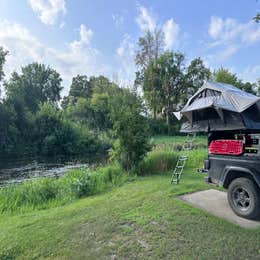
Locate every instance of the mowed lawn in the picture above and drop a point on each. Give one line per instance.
(143, 219)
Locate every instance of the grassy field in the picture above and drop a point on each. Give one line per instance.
(142, 219)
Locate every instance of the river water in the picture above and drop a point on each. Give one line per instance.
(20, 170)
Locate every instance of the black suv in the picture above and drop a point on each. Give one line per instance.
(236, 170)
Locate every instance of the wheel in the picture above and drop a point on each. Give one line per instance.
(244, 198)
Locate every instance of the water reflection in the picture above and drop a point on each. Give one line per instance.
(20, 170)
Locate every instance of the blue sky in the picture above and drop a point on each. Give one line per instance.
(99, 37)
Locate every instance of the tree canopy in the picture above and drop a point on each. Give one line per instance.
(225, 76)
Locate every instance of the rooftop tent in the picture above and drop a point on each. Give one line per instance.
(220, 107)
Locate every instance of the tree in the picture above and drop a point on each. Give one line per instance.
(172, 81)
(163, 84)
(225, 76)
(80, 87)
(3, 55)
(150, 48)
(35, 85)
(196, 75)
(151, 87)
(130, 129)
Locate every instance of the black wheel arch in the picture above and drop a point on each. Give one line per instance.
(231, 173)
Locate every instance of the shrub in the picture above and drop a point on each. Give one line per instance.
(54, 135)
(130, 128)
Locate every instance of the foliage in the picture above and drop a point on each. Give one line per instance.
(167, 84)
(225, 76)
(93, 113)
(196, 75)
(3, 54)
(35, 85)
(150, 48)
(54, 135)
(130, 129)
(80, 87)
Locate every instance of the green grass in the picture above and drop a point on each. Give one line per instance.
(142, 219)
(174, 143)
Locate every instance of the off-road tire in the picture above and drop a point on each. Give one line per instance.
(244, 198)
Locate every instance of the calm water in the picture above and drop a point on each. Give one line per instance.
(19, 170)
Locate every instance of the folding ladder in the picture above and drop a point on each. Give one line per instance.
(183, 157)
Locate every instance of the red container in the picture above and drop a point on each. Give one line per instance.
(231, 147)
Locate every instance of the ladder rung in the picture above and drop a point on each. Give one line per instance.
(179, 167)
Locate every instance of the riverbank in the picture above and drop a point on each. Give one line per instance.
(50, 192)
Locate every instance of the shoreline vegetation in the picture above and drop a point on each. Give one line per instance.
(50, 192)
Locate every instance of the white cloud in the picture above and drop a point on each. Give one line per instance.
(227, 52)
(251, 74)
(171, 33)
(48, 11)
(230, 35)
(226, 30)
(215, 28)
(78, 57)
(145, 20)
(85, 38)
(118, 19)
(125, 55)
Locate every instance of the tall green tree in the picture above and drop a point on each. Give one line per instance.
(163, 85)
(196, 75)
(150, 48)
(35, 85)
(171, 65)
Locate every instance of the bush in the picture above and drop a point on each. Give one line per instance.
(54, 135)
(157, 162)
(131, 130)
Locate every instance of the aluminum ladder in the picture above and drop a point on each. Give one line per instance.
(183, 157)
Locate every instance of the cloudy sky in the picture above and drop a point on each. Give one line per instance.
(99, 37)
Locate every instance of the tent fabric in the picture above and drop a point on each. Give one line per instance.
(230, 98)
(220, 107)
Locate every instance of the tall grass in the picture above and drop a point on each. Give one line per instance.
(157, 162)
(45, 193)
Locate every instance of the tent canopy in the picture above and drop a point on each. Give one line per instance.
(219, 107)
